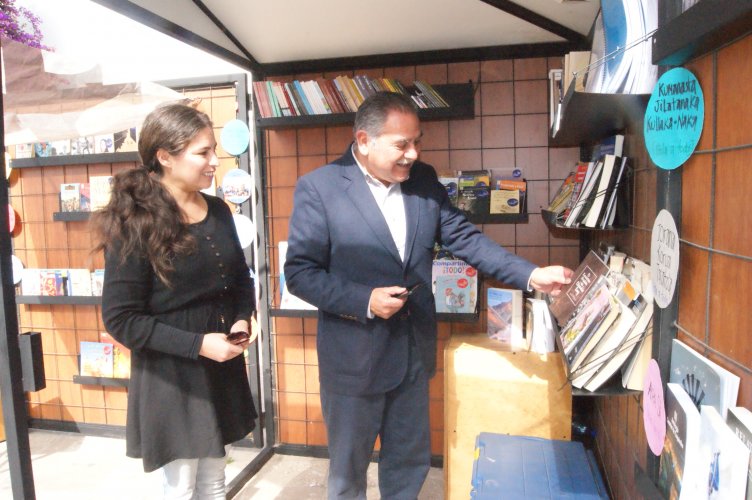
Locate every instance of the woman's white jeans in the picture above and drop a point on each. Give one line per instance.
(195, 479)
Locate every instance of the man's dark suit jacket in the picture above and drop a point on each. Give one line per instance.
(340, 249)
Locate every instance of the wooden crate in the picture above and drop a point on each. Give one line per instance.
(491, 390)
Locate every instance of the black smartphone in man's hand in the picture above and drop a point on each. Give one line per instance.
(408, 292)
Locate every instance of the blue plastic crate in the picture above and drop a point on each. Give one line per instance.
(521, 467)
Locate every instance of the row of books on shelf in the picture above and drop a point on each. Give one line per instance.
(593, 195)
(86, 196)
(118, 142)
(107, 358)
(706, 453)
(603, 321)
(338, 95)
(486, 192)
(61, 282)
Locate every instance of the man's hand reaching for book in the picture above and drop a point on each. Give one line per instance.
(550, 279)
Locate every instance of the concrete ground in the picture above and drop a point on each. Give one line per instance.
(70, 466)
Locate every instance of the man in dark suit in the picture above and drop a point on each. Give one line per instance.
(362, 234)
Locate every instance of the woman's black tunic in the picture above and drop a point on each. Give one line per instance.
(181, 405)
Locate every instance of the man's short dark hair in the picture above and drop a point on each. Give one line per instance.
(373, 112)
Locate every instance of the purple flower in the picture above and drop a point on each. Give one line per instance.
(20, 24)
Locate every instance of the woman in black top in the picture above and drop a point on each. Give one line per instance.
(175, 284)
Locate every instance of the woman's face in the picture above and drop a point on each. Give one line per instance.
(193, 169)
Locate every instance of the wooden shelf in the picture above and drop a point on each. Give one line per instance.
(314, 313)
(71, 216)
(92, 300)
(53, 161)
(587, 117)
(460, 97)
(113, 382)
(705, 26)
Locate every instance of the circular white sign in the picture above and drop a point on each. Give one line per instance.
(245, 228)
(236, 186)
(664, 258)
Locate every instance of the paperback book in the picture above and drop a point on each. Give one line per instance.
(96, 359)
(723, 457)
(739, 420)
(504, 317)
(584, 279)
(680, 457)
(455, 286)
(706, 382)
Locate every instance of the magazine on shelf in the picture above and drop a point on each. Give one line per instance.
(585, 276)
(504, 317)
(540, 326)
(706, 382)
(96, 359)
(739, 420)
(723, 457)
(595, 313)
(455, 286)
(679, 462)
(631, 305)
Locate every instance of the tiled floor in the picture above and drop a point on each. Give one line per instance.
(70, 466)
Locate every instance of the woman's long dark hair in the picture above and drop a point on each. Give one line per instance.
(142, 216)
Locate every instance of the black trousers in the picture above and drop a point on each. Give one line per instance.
(399, 418)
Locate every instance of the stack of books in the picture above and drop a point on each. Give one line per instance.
(338, 95)
(706, 453)
(86, 196)
(592, 195)
(61, 282)
(604, 317)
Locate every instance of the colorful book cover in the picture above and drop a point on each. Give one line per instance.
(679, 459)
(104, 143)
(70, 197)
(504, 317)
(96, 359)
(24, 150)
(79, 282)
(723, 458)
(455, 286)
(585, 277)
(450, 183)
(706, 382)
(97, 282)
(82, 145)
(99, 191)
(121, 356)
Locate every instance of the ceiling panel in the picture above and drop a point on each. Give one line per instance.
(267, 33)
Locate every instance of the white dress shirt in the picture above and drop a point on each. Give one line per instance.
(389, 200)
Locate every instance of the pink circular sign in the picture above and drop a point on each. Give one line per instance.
(654, 408)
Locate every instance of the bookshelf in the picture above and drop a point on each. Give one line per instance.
(588, 117)
(550, 219)
(71, 216)
(80, 300)
(55, 161)
(108, 381)
(460, 96)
